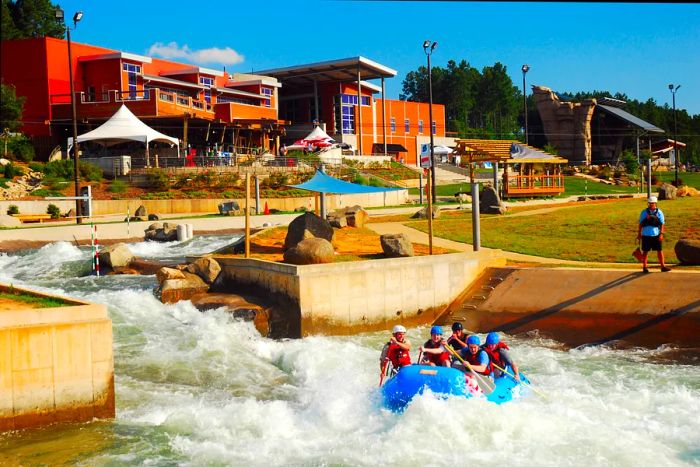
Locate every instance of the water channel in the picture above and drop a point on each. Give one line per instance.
(197, 388)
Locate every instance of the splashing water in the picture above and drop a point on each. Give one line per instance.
(197, 388)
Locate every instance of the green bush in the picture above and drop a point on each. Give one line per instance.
(90, 172)
(36, 166)
(605, 173)
(60, 169)
(43, 193)
(118, 186)
(629, 160)
(9, 171)
(21, 147)
(158, 179)
(54, 211)
(360, 180)
(12, 209)
(3, 182)
(54, 183)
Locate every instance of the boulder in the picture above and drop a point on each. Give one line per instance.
(310, 251)
(668, 191)
(423, 213)
(687, 191)
(336, 221)
(239, 307)
(9, 221)
(463, 197)
(141, 211)
(4, 162)
(688, 251)
(157, 232)
(396, 245)
(306, 226)
(206, 267)
(490, 203)
(228, 207)
(116, 256)
(356, 216)
(71, 213)
(174, 290)
(164, 274)
(153, 217)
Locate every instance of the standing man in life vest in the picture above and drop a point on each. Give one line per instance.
(396, 351)
(434, 351)
(651, 233)
(499, 356)
(476, 356)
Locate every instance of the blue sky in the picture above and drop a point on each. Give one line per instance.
(636, 49)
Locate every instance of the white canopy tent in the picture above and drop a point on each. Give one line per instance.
(124, 126)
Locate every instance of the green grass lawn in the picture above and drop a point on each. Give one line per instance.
(591, 232)
(688, 178)
(39, 302)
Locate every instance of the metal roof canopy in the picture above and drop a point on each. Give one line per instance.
(344, 69)
(631, 119)
(496, 150)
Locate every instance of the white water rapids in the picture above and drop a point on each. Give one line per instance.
(197, 388)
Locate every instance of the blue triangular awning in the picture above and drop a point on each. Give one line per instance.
(323, 183)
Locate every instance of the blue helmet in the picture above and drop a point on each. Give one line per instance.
(436, 330)
(492, 338)
(473, 340)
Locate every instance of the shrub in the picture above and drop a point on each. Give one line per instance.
(21, 147)
(90, 172)
(43, 193)
(118, 186)
(630, 162)
(61, 169)
(36, 166)
(276, 180)
(605, 173)
(360, 180)
(54, 211)
(10, 171)
(55, 183)
(158, 179)
(12, 209)
(3, 182)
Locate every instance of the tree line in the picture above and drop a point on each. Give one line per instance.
(487, 104)
(23, 19)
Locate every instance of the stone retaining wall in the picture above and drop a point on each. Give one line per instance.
(56, 364)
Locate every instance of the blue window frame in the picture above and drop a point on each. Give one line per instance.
(133, 71)
(392, 122)
(267, 92)
(434, 127)
(407, 125)
(420, 127)
(206, 81)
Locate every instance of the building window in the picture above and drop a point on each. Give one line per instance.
(420, 127)
(392, 122)
(267, 92)
(434, 127)
(206, 81)
(351, 99)
(133, 71)
(407, 125)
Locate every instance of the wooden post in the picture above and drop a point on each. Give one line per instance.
(185, 124)
(247, 215)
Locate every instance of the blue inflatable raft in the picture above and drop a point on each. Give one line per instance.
(415, 379)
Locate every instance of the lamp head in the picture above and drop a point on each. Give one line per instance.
(59, 13)
(426, 44)
(670, 87)
(432, 47)
(77, 17)
(525, 68)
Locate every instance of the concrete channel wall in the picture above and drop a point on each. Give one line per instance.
(343, 298)
(186, 206)
(56, 364)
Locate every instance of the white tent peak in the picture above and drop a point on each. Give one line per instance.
(124, 126)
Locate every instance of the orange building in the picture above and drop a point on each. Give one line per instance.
(200, 106)
(328, 93)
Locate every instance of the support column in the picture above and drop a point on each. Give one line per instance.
(358, 131)
(495, 177)
(316, 101)
(185, 125)
(383, 116)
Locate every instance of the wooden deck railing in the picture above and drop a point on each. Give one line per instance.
(525, 185)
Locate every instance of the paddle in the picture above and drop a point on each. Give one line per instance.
(520, 381)
(381, 375)
(487, 386)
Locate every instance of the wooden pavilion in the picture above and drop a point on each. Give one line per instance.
(527, 171)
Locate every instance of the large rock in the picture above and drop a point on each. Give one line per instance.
(490, 203)
(164, 274)
(310, 251)
(308, 225)
(166, 232)
(686, 190)
(141, 211)
(423, 213)
(9, 221)
(228, 206)
(239, 307)
(396, 245)
(206, 267)
(174, 290)
(116, 256)
(353, 216)
(668, 191)
(688, 251)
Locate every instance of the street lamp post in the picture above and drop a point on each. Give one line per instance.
(675, 129)
(428, 48)
(525, 69)
(76, 17)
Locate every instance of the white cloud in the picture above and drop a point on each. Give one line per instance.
(172, 51)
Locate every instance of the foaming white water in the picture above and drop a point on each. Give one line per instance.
(198, 388)
(173, 250)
